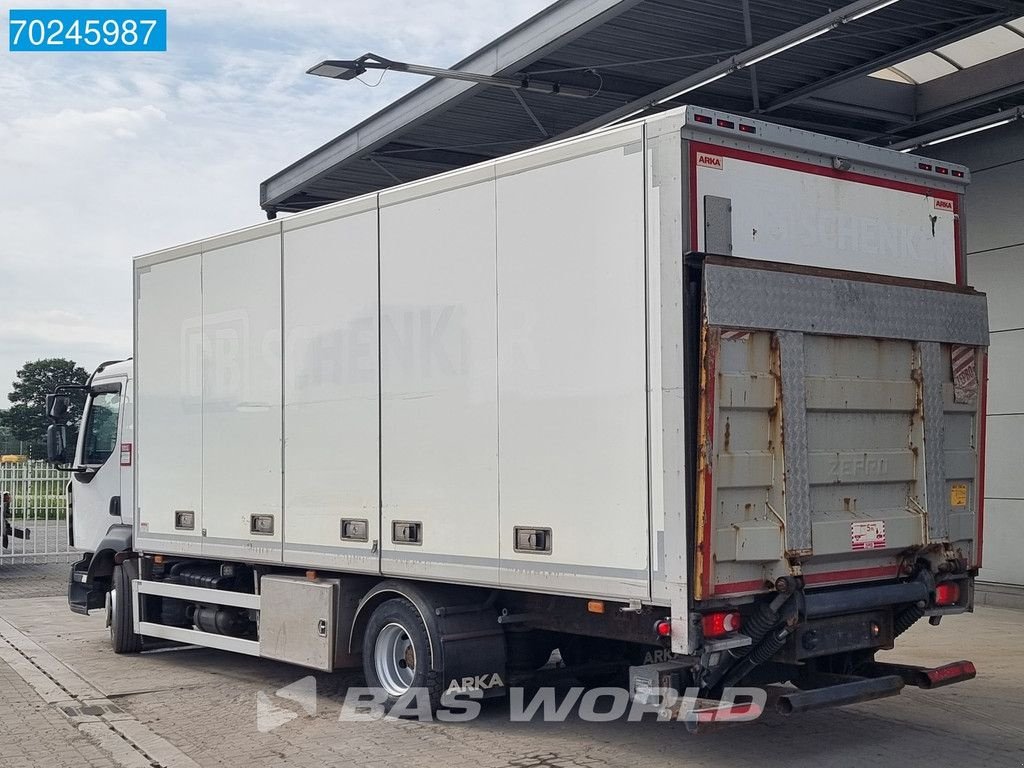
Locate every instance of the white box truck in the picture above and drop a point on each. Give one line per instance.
(698, 396)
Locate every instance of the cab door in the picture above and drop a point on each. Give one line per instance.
(97, 486)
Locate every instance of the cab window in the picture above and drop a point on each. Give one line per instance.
(100, 434)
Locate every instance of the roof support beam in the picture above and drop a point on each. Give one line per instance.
(855, 110)
(384, 170)
(530, 113)
(747, 58)
(960, 91)
(964, 129)
(971, 87)
(748, 35)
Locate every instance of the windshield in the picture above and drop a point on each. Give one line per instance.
(100, 435)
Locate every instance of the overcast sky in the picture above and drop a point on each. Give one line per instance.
(104, 156)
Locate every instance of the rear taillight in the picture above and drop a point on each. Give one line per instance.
(947, 593)
(663, 628)
(720, 623)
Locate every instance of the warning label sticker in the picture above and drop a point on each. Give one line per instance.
(965, 374)
(958, 495)
(867, 535)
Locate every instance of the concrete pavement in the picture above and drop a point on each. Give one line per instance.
(189, 706)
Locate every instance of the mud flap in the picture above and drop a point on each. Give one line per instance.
(84, 595)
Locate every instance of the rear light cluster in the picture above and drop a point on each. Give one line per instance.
(720, 623)
(947, 593)
(721, 123)
(940, 169)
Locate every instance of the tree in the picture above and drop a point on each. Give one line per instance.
(26, 419)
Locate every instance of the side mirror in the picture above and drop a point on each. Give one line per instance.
(57, 406)
(56, 443)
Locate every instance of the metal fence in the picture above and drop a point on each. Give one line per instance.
(33, 500)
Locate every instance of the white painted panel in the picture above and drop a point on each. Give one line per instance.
(438, 366)
(1006, 373)
(241, 381)
(572, 378)
(860, 227)
(1003, 540)
(168, 380)
(1000, 274)
(1004, 460)
(331, 413)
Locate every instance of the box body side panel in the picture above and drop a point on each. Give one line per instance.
(331, 414)
(572, 369)
(242, 400)
(439, 439)
(168, 401)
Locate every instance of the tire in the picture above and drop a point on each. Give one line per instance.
(396, 654)
(122, 636)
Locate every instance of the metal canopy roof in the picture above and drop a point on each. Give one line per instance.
(632, 53)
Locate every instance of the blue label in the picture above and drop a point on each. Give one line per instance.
(88, 30)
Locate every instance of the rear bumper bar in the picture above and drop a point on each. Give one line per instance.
(865, 689)
(922, 677)
(875, 680)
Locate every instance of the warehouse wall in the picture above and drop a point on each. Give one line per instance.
(995, 264)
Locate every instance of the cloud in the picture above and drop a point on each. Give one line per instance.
(106, 156)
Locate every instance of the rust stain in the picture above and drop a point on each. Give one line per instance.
(710, 339)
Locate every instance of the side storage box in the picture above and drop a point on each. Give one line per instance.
(297, 620)
(308, 622)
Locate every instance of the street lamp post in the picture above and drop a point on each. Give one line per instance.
(351, 69)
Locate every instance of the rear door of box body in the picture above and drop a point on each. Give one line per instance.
(840, 426)
(874, 405)
(757, 201)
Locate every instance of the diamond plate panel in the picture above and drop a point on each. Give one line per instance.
(794, 438)
(742, 297)
(932, 377)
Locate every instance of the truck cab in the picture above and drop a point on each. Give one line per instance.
(101, 479)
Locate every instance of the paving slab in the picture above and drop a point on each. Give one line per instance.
(206, 704)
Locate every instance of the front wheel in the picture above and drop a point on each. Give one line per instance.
(122, 630)
(396, 654)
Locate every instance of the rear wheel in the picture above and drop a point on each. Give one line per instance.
(396, 654)
(122, 630)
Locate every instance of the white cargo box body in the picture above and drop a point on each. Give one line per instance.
(479, 377)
